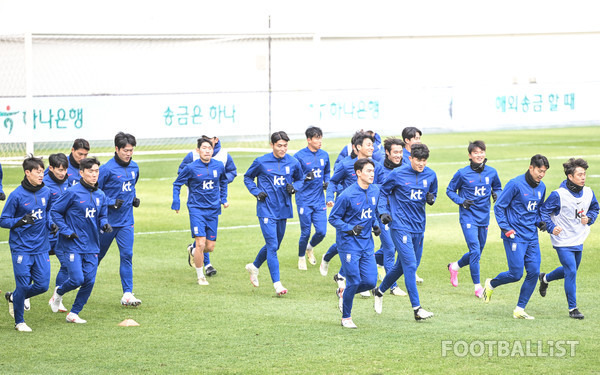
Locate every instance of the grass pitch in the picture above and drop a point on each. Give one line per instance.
(231, 327)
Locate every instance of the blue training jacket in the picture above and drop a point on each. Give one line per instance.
(29, 238)
(311, 194)
(344, 176)
(403, 197)
(207, 186)
(218, 154)
(118, 182)
(478, 187)
(81, 211)
(355, 206)
(518, 208)
(272, 174)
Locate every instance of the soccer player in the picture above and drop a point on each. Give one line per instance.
(344, 176)
(310, 200)
(79, 151)
(26, 213)
(117, 180)
(411, 136)
(378, 151)
(2, 195)
(354, 217)
(275, 174)
(568, 213)
(80, 213)
(471, 189)
(517, 212)
(57, 181)
(386, 255)
(223, 156)
(402, 206)
(207, 185)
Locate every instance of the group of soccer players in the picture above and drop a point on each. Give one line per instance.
(76, 208)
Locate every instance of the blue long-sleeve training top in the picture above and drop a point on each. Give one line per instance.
(118, 182)
(518, 208)
(271, 175)
(207, 186)
(311, 193)
(29, 238)
(355, 206)
(80, 210)
(478, 187)
(403, 197)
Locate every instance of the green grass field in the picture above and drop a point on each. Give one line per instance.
(231, 327)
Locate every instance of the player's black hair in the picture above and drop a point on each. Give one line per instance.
(313, 131)
(31, 162)
(87, 163)
(278, 136)
(410, 132)
(124, 139)
(573, 163)
(359, 139)
(81, 143)
(58, 160)
(360, 164)
(476, 144)
(419, 151)
(391, 141)
(539, 161)
(204, 139)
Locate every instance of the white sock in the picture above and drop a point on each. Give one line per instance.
(277, 284)
(416, 308)
(477, 286)
(207, 265)
(454, 266)
(199, 272)
(544, 278)
(519, 309)
(308, 247)
(302, 257)
(572, 309)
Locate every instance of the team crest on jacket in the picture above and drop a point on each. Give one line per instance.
(132, 174)
(97, 202)
(348, 258)
(539, 195)
(487, 180)
(373, 200)
(214, 173)
(43, 201)
(424, 183)
(287, 170)
(322, 163)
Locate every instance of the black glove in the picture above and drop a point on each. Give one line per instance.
(261, 196)
(2, 196)
(309, 176)
(385, 219)
(494, 196)
(290, 188)
(376, 230)
(27, 219)
(53, 229)
(72, 236)
(542, 226)
(106, 228)
(325, 185)
(430, 198)
(356, 231)
(118, 204)
(136, 202)
(467, 204)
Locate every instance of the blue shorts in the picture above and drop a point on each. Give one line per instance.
(204, 225)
